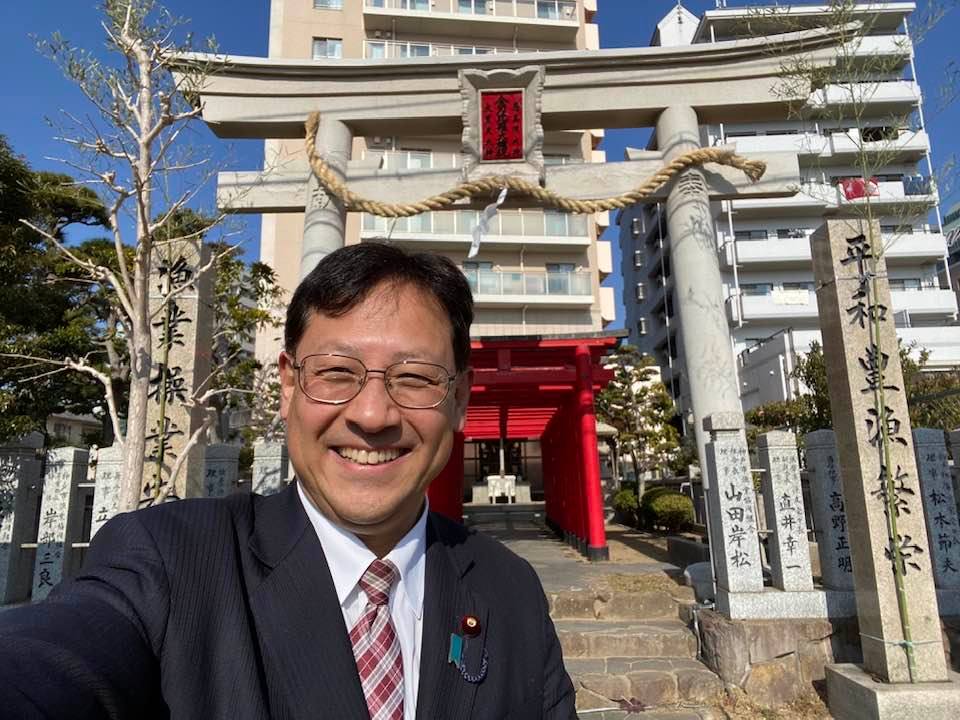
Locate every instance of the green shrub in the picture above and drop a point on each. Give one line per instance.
(664, 508)
(625, 504)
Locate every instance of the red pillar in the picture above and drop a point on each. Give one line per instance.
(446, 490)
(596, 535)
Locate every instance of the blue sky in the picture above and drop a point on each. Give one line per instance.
(34, 88)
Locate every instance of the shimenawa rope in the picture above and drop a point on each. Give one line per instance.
(753, 169)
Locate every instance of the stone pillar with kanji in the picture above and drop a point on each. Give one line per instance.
(181, 296)
(893, 576)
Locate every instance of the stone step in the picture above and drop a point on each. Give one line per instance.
(663, 638)
(604, 604)
(694, 713)
(650, 683)
(704, 713)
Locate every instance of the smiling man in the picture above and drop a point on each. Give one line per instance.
(341, 597)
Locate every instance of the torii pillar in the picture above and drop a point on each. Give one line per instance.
(710, 373)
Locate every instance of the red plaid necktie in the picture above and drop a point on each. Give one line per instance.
(376, 647)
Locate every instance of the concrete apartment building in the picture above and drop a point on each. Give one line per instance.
(763, 246)
(537, 272)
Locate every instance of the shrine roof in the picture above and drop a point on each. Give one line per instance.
(521, 382)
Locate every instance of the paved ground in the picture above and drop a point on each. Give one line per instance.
(521, 528)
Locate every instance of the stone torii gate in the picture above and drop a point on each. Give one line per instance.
(673, 89)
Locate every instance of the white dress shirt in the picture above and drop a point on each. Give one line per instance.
(348, 558)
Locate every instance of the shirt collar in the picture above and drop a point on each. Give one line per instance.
(348, 557)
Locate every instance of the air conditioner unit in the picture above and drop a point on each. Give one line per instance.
(378, 33)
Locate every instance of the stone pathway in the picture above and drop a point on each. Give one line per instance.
(622, 624)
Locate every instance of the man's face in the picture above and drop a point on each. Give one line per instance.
(378, 502)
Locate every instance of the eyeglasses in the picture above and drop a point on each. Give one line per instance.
(338, 379)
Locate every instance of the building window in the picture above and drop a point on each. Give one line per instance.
(635, 227)
(638, 258)
(756, 289)
(905, 284)
(556, 10)
(641, 292)
(879, 134)
(409, 49)
(897, 229)
(788, 233)
(555, 224)
(328, 4)
(751, 234)
(327, 48)
(376, 49)
(642, 326)
(472, 7)
(798, 286)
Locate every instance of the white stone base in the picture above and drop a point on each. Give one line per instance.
(852, 694)
(773, 604)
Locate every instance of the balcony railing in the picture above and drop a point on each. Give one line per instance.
(512, 223)
(529, 282)
(532, 9)
(378, 49)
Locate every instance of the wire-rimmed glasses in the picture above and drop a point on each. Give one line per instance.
(337, 379)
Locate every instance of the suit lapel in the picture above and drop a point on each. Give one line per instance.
(309, 664)
(443, 692)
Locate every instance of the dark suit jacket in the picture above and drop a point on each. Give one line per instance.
(226, 609)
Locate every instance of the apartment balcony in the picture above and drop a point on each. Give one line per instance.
(793, 305)
(608, 305)
(802, 143)
(508, 230)
(886, 45)
(883, 96)
(495, 288)
(374, 49)
(925, 303)
(604, 258)
(812, 198)
(903, 146)
(899, 249)
(906, 146)
(942, 342)
(529, 21)
(909, 196)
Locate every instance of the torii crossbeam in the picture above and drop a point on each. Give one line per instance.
(673, 89)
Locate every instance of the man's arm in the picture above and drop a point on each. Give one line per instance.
(91, 650)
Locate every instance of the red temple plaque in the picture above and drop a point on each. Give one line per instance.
(501, 124)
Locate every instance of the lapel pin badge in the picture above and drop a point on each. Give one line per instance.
(470, 625)
(460, 654)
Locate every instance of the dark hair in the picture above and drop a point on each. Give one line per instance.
(344, 278)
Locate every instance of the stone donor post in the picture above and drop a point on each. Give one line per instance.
(222, 464)
(893, 577)
(106, 487)
(940, 510)
(20, 475)
(787, 545)
(733, 522)
(59, 519)
(270, 467)
(829, 518)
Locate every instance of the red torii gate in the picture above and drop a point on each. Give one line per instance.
(540, 388)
